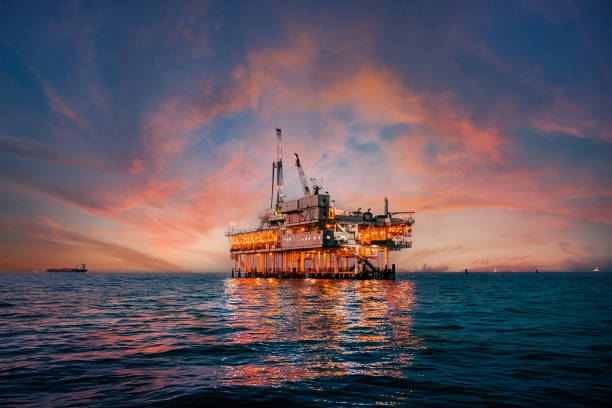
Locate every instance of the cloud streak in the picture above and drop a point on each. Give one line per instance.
(60, 107)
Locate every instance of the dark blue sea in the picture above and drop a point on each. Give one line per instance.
(427, 339)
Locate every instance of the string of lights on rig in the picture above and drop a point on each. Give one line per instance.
(311, 238)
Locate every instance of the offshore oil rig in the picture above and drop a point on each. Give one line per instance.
(311, 238)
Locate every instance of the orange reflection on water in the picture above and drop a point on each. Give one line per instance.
(319, 328)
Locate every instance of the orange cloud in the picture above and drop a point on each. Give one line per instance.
(52, 243)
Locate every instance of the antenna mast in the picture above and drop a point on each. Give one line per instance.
(280, 194)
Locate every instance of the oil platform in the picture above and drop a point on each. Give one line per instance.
(311, 238)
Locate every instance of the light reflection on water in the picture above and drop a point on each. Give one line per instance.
(204, 330)
(196, 339)
(320, 328)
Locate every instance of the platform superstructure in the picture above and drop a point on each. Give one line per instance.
(311, 237)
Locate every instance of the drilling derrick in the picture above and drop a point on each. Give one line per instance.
(280, 194)
(310, 237)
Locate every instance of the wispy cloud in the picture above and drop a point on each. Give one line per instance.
(60, 107)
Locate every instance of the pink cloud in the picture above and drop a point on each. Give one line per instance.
(554, 127)
(60, 107)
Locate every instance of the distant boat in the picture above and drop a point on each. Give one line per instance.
(81, 268)
(596, 268)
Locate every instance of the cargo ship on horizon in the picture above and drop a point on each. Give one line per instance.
(80, 268)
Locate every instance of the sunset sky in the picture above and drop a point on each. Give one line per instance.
(132, 135)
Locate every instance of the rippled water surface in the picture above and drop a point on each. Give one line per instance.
(206, 339)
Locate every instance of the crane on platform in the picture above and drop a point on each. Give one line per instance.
(302, 176)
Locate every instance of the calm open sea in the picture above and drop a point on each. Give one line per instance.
(428, 339)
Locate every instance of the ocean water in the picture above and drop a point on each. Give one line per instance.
(427, 339)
